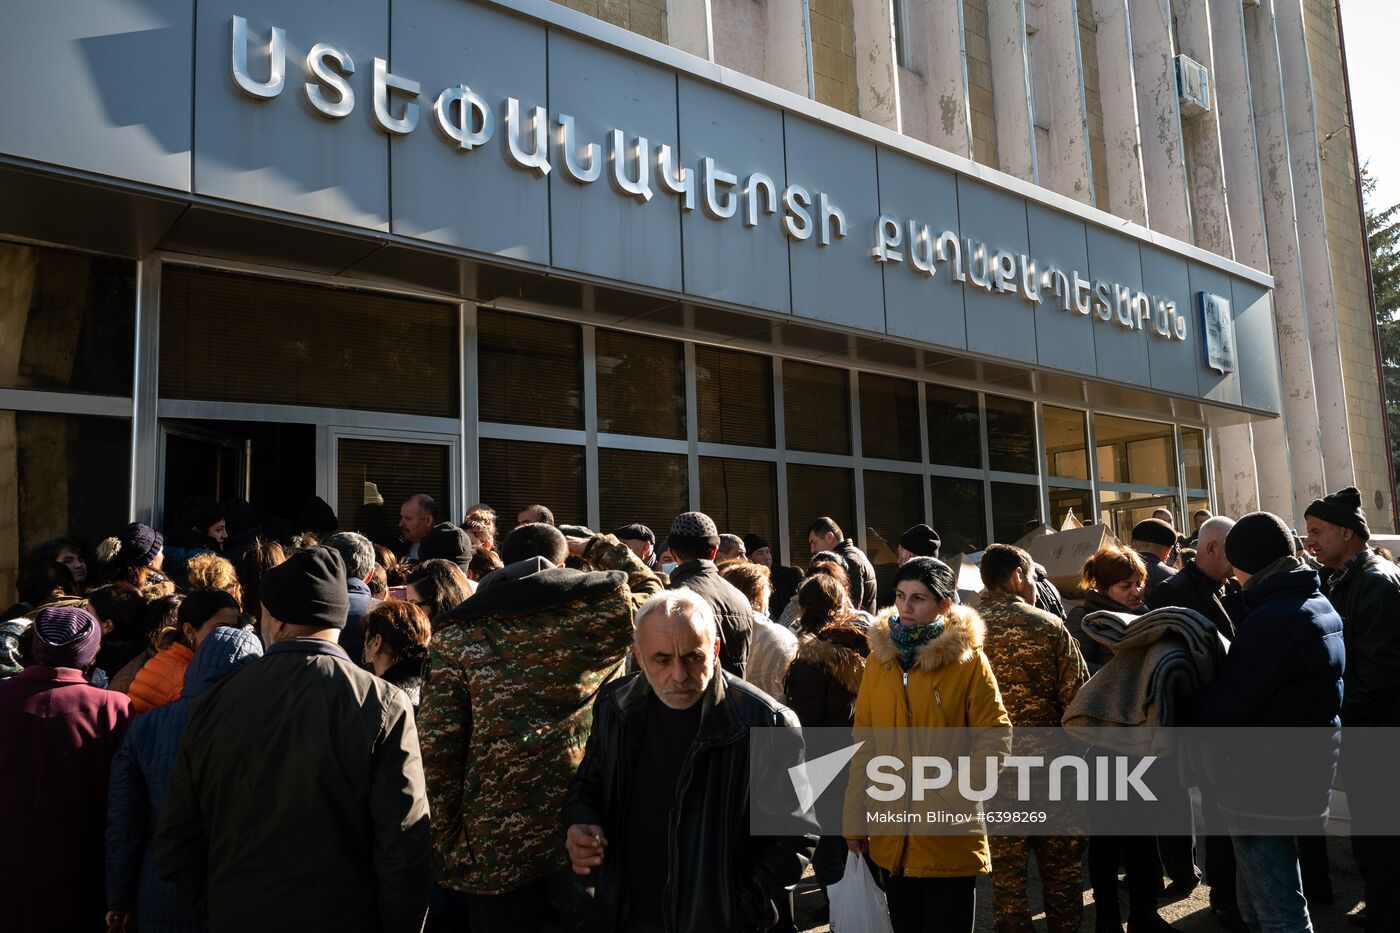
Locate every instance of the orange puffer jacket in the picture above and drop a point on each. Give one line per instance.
(161, 678)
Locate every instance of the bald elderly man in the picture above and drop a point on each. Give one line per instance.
(665, 854)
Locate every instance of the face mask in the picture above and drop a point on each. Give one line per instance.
(669, 568)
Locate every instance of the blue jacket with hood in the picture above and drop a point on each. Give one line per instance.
(140, 776)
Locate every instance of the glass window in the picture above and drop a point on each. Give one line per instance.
(734, 397)
(1130, 451)
(954, 427)
(741, 496)
(1066, 446)
(529, 370)
(241, 338)
(894, 502)
(959, 515)
(889, 418)
(1064, 500)
(398, 470)
(814, 491)
(641, 385)
(1193, 458)
(641, 486)
(1015, 511)
(517, 474)
(1193, 506)
(64, 476)
(817, 409)
(1122, 510)
(67, 320)
(1011, 435)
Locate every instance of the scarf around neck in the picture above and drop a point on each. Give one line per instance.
(908, 639)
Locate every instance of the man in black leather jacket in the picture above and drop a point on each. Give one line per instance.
(658, 812)
(1365, 589)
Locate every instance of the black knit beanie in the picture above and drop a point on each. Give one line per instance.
(448, 542)
(1342, 509)
(308, 588)
(921, 541)
(1257, 540)
(754, 542)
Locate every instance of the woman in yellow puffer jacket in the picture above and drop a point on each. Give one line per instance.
(926, 671)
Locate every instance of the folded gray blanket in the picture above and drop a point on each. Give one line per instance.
(1156, 657)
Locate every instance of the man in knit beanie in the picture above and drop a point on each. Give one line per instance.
(694, 540)
(1365, 588)
(298, 792)
(919, 541)
(1284, 669)
(57, 738)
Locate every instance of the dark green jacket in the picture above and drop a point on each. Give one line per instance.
(297, 800)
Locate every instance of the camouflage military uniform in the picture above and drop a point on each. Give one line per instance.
(508, 708)
(1039, 669)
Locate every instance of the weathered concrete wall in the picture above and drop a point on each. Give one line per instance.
(834, 53)
(1356, 338)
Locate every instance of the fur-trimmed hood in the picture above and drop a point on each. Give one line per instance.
(839, 650)
(963, 635)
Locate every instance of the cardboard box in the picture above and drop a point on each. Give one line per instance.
(966, 570)
(1063, 554)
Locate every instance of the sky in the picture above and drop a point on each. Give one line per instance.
(1371, 28)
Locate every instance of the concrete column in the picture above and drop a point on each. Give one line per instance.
(1239, 148)
(1127, 186)
(767, 40)
(877, 80)
(1303, 139)
(933, 89)
(1163, 155)
(688, 27)
(1291, 311)
(1065, 167)
(1210, 212)
(1011, 88)
(1236, 481)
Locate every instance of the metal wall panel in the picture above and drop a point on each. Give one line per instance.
(1171, 363)
(1121, 353)
(593, 228)
(476, 199)
(278, 153)
(927, 309)
(1209, 383)
(1064, 339)
(101, 87)
(998, 324)
(839, 283)
(1255, 348)
(727, 260)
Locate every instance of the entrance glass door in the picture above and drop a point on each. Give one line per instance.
(375, 472)
(199, 461)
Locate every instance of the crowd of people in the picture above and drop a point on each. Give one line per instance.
(237, 727)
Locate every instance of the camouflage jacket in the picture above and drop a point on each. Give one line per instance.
(1036, 660)
(508, 707)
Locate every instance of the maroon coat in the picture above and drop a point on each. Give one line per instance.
(57, 738)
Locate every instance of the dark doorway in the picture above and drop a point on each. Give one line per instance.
(273, 466)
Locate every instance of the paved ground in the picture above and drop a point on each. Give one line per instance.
(1190, 915)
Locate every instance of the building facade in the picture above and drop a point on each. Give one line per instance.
(980, 264)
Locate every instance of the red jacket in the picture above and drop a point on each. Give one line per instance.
(57, 738)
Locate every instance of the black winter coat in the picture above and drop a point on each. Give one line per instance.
(721, 877)
(1192, 589)
(732, 610)
(1284, 670)
(1366, 593)
(1158, 572)
(824, 678)
(862, 574)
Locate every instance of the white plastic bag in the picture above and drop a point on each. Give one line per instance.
(857, 903)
